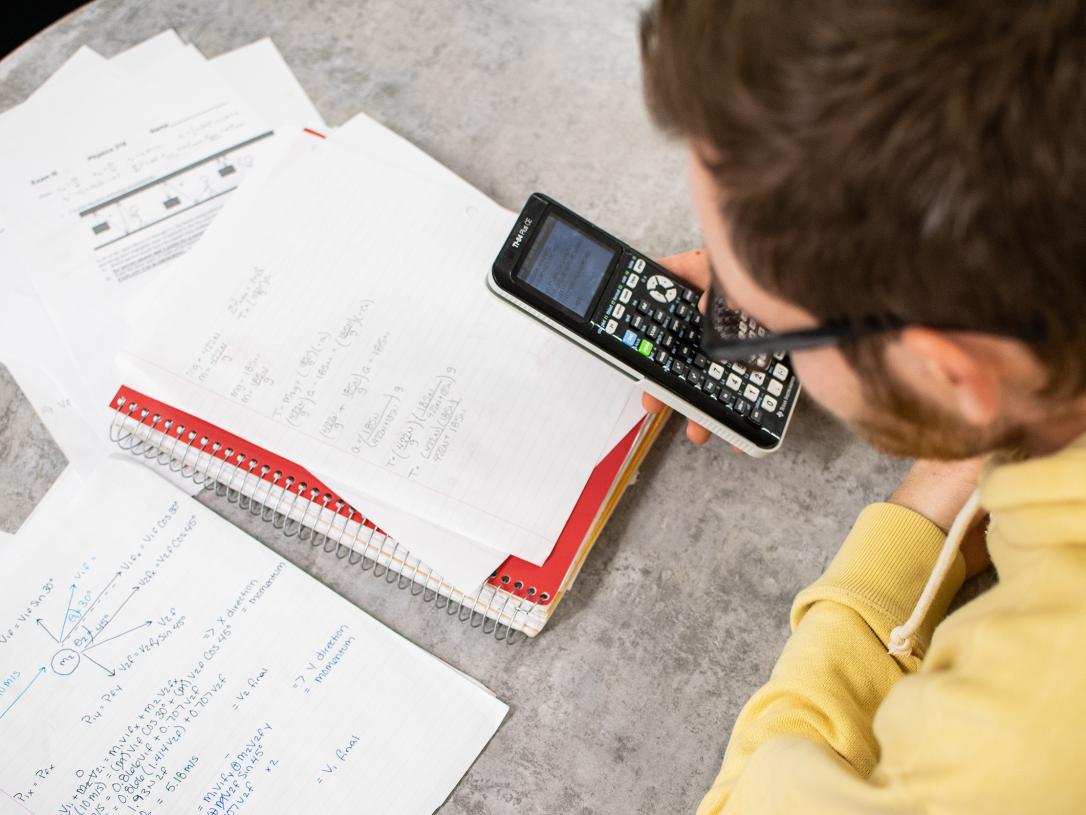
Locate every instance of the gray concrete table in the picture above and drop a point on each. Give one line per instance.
(625, 702)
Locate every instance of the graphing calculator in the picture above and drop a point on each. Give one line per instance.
(613, 301)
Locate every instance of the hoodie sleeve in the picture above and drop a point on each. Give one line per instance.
(810, 728)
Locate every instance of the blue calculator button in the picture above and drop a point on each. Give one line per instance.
(630, 338)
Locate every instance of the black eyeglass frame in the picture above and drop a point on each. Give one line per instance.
(778, 342)
(835, 332)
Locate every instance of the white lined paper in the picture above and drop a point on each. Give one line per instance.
(306, 284)
(164, 663)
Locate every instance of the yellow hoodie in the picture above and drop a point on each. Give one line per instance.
(988, 715)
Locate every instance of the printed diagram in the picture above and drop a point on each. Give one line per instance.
(168, 195)
(84, 627)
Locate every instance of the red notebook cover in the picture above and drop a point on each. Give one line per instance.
(185, 432)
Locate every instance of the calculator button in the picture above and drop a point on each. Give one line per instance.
(668, 341)
(660, 316)
(632, 280)
(752, 393)
(779, 356)
(678, 368)
(780, 372)
(689, 296)
(694, 376)
(682, 310)
(662, 357)
(769, 403)
(645, 348)
(775, 387)
(757, 377)
(687, 352)
(710, 387)
(639, 265)
(659, 287)
(756, 417)
(693, 336)
(625, 295)
(653, 332)
(612, 326)
(739, 369)
(644, 307)
(618, 311)
(741, 406)
(701, 361)
(676, 324)
(727, 397)
(638, 322)
(716, 370)
(695, 318)
(733, 381)
(630, 338)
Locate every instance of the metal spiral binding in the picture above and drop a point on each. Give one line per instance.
(281, 500)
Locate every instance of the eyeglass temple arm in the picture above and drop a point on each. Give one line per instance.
(798, 340)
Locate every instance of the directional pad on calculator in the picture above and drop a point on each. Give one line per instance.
(661, 289)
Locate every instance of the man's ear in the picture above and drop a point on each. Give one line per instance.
(955, 371)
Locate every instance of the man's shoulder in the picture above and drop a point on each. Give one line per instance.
(1022, 636)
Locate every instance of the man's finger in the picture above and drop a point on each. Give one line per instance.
(696, 433)
(692, 266)
(651, 404)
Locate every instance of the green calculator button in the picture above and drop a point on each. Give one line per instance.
(645, 347)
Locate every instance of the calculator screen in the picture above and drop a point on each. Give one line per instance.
(566, 265)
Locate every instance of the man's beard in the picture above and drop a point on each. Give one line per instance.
(899, 422)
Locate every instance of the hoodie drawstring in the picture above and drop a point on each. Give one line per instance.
(903, 638)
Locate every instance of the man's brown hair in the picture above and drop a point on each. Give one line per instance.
(920, 159)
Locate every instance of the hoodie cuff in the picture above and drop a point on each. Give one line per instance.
(881, 570)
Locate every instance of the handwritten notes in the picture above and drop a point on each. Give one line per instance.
(153, 658)
(340, 317)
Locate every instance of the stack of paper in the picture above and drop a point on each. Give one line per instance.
(113, 172)
(152, 657)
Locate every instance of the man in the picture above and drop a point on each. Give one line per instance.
(920, 165)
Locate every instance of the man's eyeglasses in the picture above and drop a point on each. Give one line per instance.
(731, 336)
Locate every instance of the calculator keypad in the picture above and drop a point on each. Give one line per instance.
(658, 317)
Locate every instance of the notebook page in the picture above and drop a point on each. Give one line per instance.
(361, 133)
(457, 559)
(154, 658)
(340, 317)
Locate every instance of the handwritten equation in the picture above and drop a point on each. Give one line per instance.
(344, 385)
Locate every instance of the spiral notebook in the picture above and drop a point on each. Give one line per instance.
(517, 597)
(326, 363)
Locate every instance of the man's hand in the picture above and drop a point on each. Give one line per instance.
(693, 267)
(938, 490)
